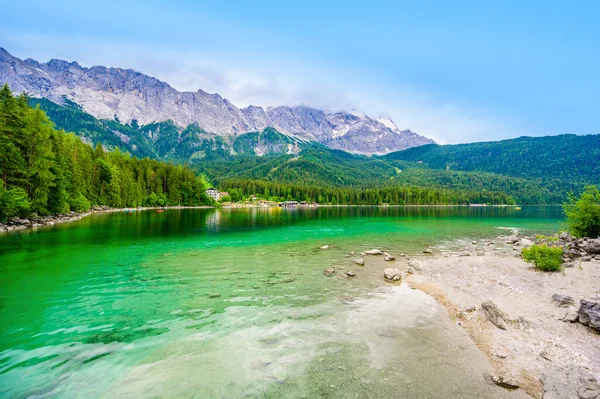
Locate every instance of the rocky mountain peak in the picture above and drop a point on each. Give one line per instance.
(109, 93)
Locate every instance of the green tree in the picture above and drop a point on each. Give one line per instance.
(583, 213)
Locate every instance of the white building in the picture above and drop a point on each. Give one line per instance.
(213, 193)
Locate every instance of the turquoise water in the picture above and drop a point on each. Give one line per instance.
(233, 303)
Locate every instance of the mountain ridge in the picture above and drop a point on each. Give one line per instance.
(127, 95)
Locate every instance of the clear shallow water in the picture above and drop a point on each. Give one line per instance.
(233, 303)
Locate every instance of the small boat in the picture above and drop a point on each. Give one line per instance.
(160, 210)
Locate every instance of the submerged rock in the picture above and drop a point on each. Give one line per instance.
(562, 301)
(392, 273)
(359, 261)
(325, 247)
(570, 382)
(350, 274)
(214, 295)
(374, 252)
(428, 251)
(329, 271)
(589, 314)
(494, 314)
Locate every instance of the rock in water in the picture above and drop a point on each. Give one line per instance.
(562, 301)
(329, 271)
(414, 264)
(350, 274)
(392, 273)
(389, 258)
(374, 252)
(359, 261)
(428, 251)
(324, 247)
(494, 314)
(570, 382)
(589, 314)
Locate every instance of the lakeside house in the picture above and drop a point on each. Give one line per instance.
(290, 203)
(213, 193)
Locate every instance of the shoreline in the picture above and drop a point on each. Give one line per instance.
(539, 351)
(52, 220)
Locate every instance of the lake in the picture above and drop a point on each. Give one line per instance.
(230, 303)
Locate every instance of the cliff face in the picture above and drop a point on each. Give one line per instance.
(127, 95)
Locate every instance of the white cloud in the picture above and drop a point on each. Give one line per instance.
(269, 82)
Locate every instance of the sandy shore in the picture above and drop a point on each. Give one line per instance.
(538, 351)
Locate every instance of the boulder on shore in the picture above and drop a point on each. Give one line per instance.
(374, 252)
(590, 245)
(494, 314)
(589, 314)
(392, 273)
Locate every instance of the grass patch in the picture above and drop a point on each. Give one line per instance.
(548, 259)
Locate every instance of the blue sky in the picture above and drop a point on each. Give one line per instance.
(453, 71)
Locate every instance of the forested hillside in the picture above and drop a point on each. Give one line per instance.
(47, 171)
(321, 167)
(566, 157)
(528, 170)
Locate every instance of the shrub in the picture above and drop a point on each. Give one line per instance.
(544, 257)
(583, 213)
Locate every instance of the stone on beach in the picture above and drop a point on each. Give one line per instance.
(562, 301)
(374, 252)
(392, 273)
(494, 314)
(572, 315)
(414, 264)
(502, 381)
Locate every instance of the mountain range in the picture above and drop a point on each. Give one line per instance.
(133, 98)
